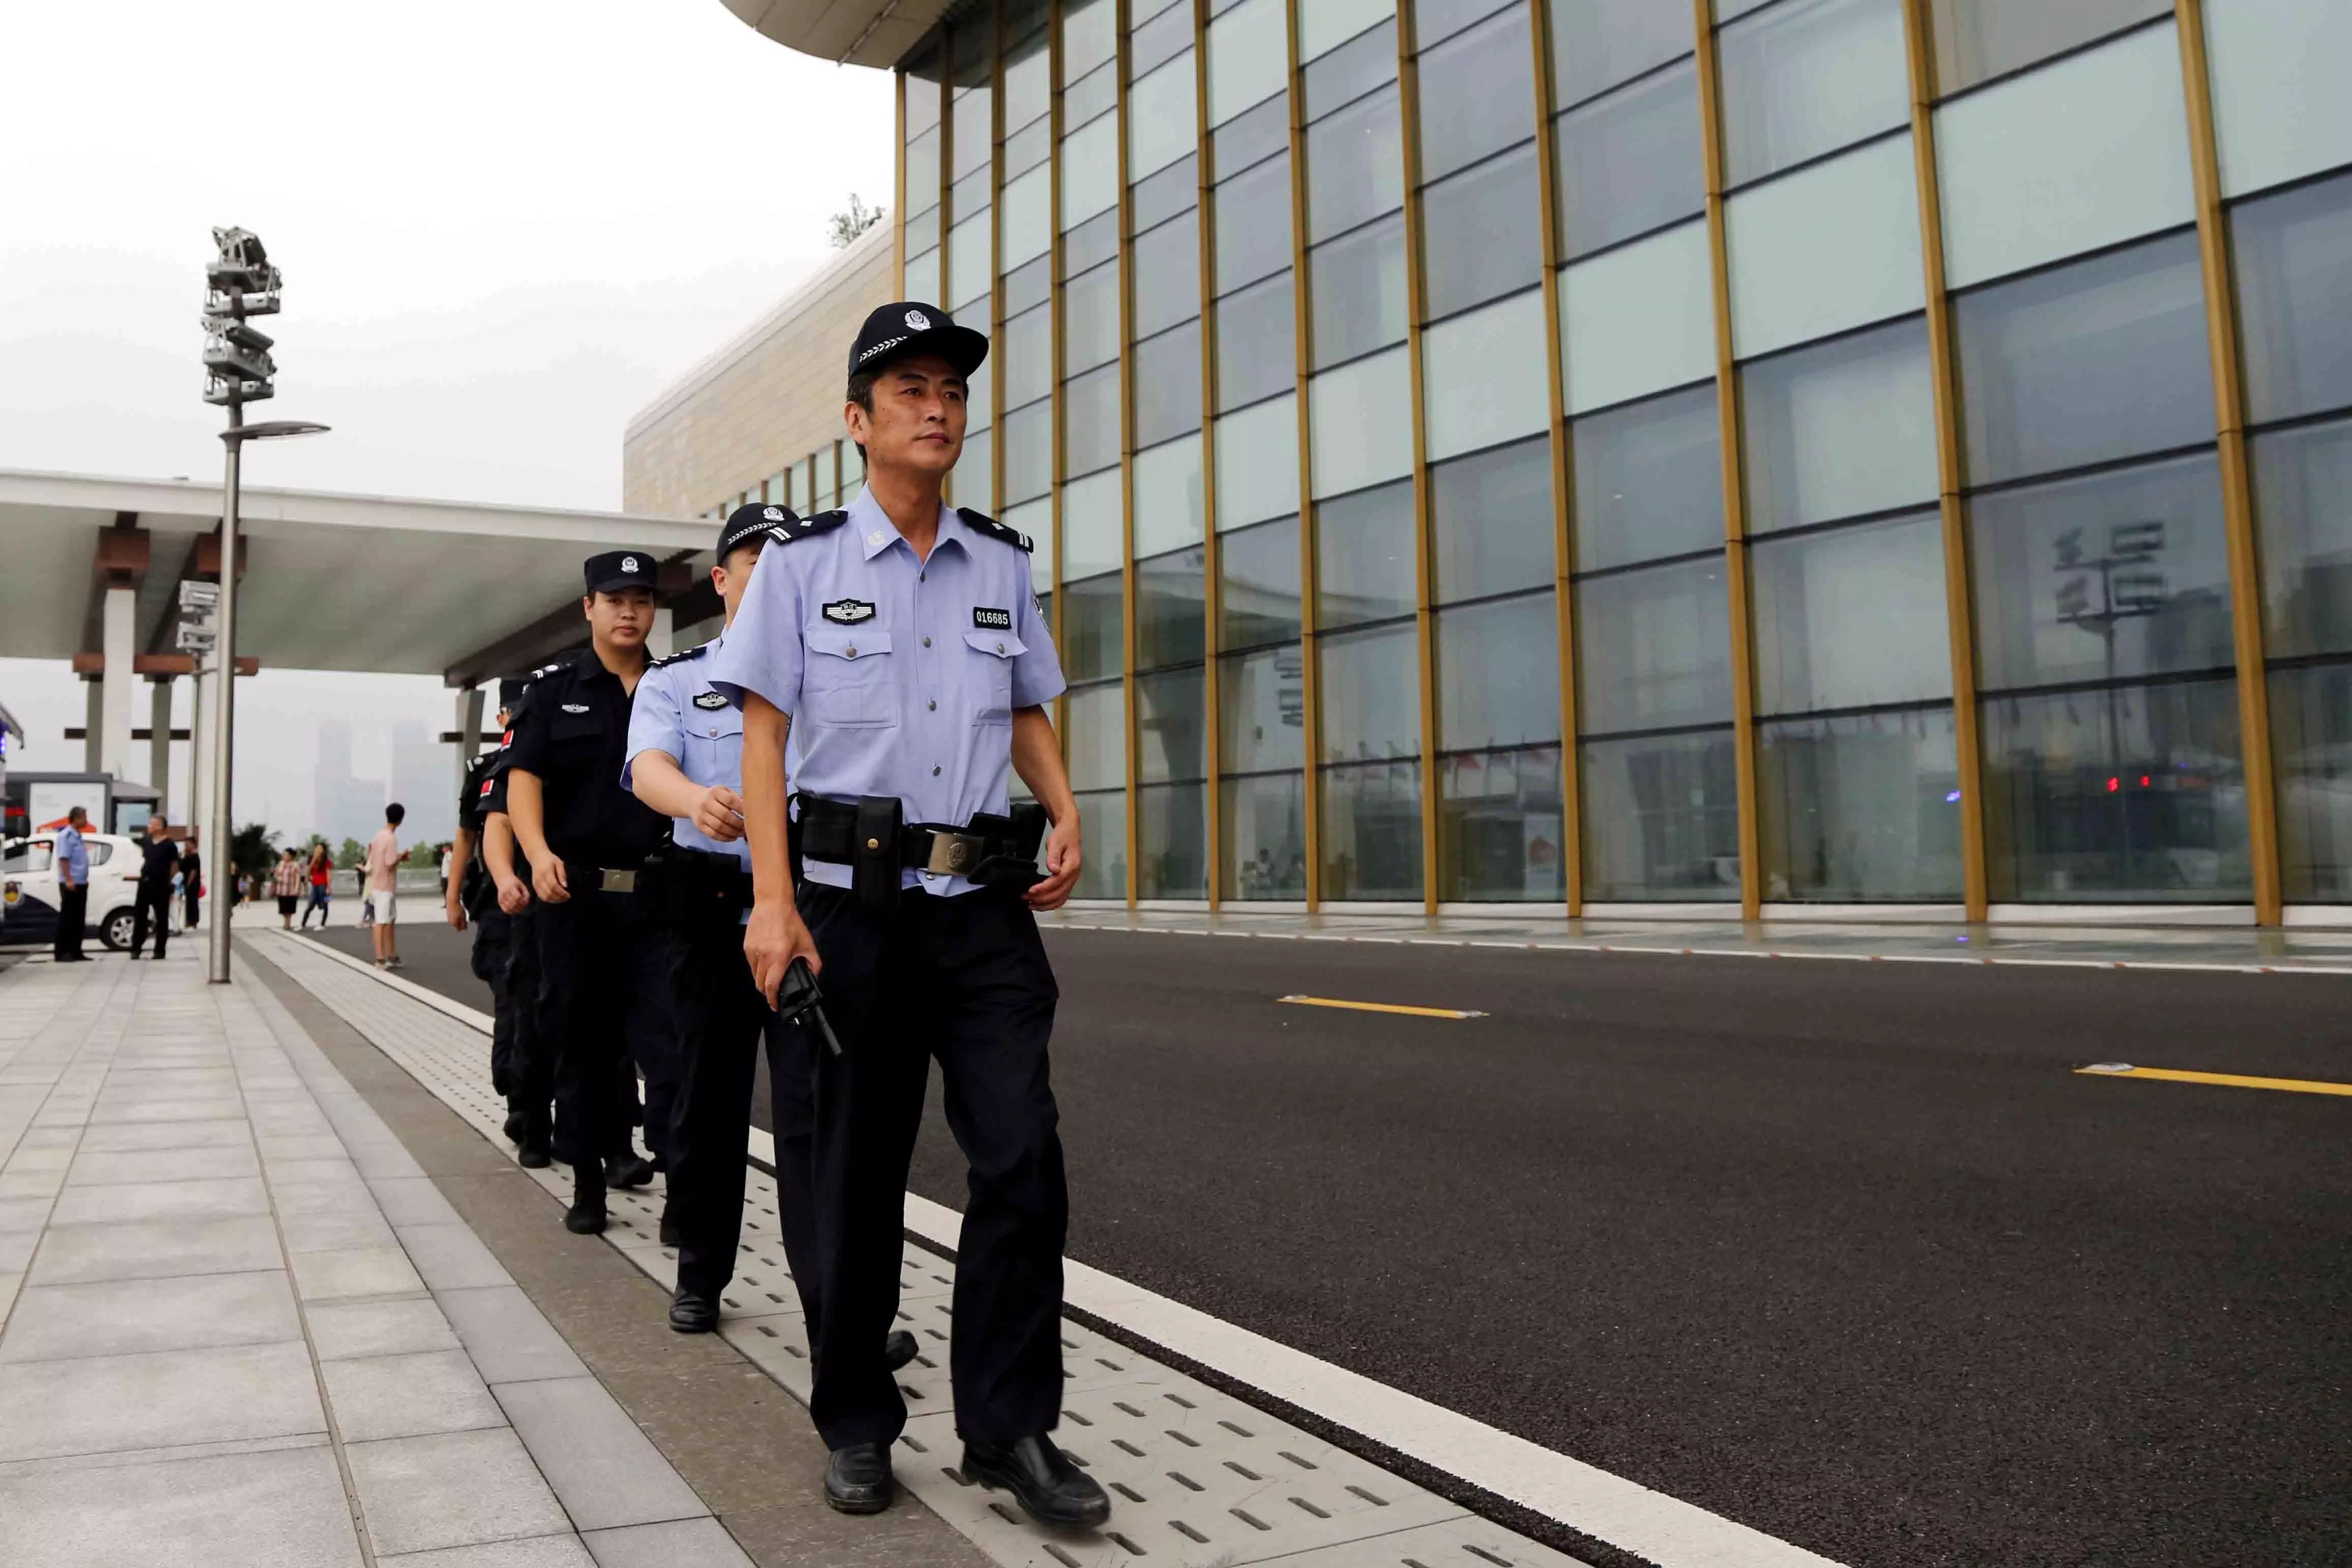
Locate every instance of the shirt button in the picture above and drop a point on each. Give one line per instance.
(935, 770)
(1000, 647)
(926, 642)
(849, 653)
(933, 705)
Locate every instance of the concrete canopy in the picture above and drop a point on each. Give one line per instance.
(380, 583)
(877, 33)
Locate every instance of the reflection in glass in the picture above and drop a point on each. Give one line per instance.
(1352, 70)
(1258, 603)
(1840, 430)
(1253, 237)
(1498, 674)
(1096, 735)
(1654, 649)
(1170, 608)
(1102, 866)
(1978, 39)
(1252, 134)
(1355, 165)
(1661, 819)
(1095, 526)
(1090, 318)
(1170, 726)
(1257, 343)
(1167, 274)
(1807, 78)
(2303, 509)
(1093, 642)
(1370, 692)
(1629, 162)
(1168, 385)
(2134, 793)
(1596, 44)
(1172, 856)
(1499, 827)
(1482, 233)
(2311, 741)
(1161, 197)
(2294, 272)
(1853, 617)
(1027, 345)
(1090, 426)
(1262, 709)
(1358, 285)
(1859, 808)
(1264, 837)
(1363, 557)
(1491, 521)
(1372, 832)
(1476, 95)
(1649, 481)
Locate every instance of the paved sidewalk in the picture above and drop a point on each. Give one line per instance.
(242, 1327)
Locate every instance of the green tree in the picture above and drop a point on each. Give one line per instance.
(846, 226)
(251, 848)
(423, 858)
(349, 855)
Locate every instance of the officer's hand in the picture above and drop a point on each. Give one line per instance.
(455, 909)
(514, 895)
(1062, 861)
(547, 882)
(776, 936)
(719, 814)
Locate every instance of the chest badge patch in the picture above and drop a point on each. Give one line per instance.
(710, 702)
(988, 620)
(575, 707)
(848, 612)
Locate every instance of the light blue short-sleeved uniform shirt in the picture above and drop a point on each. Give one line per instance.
(900, 676)
(73, 854)
(678, 711)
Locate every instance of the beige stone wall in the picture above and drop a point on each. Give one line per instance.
(762, 403)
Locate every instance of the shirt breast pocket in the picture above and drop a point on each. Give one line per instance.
(573, 738)
(991, 657)
(714, 745)
(847, 677)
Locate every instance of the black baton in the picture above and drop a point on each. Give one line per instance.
(798, 998)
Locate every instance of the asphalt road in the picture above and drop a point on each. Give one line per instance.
(1846, 1252)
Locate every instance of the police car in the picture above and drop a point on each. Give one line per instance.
(29, 889)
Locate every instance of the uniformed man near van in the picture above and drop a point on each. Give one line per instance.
(606, 998)
(686, 761)
(897, 646)
(471, 899)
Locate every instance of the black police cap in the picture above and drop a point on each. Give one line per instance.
(618, 569)
(907, 328)
(510, 689)
(746, 521)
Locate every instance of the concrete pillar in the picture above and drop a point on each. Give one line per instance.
(159, 742)
(200, 774)
(469, 731)
(119, 686)
(93, 724)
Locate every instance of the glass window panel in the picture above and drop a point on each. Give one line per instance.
(1809, 77)
(1168, 385)
(2134, 793)
(1093, 641)
(1028, 287)
(1090, 244)
(1257, 343)
(1661, 819)
(923, 230)
(1257, 463)
(1097, 737)
(1174, 189)
(1629, 162)
(2089, 152)
(1161, 38)
(1435, 21)
(1654, 649)
(1262, 727)
(1349, 72)
(1638, 319)
(1360, 424)
(1089, 36)
(1170, 724)
(1499, 827)
(972, 133)
(1484, 377)
(1028, 82)
(1028, 217)
(1265, 838)
(1094, 525)
(970, 264)
(1371, 694)
(1478, 94)
(969, 196)
(1248, 46)
(1257, 599)
(1091, 433)
(1090, 317)
(975, 478)
(1978, 39)
(2311, 730)
(2119, 575)
(1252, 136)
(1163, 116)
(1792, 282)
(1648, 480)
(1171, 613)
(1036, 519)
(1167, 274)
(1363, 558)
(1371, 833)
(1840, 430)
(1102, 870)
(923, 277)
(1860, 809)
(1596, 44)
(1253, 237)
(1491, 521)
(2294, 272)
(2101, 360)
(1358, 290)
(1852, 618)
(2279, 109)
(827, 485)
(980, 404)
(1355, 165)
(2303, 506)
(1027, 148)
(1324, 25)
(1089, 171)
(1481, 233)
(1172, 827)
(921, 85)
(1028, 452)
(1168, 496)
(1027, 347)
(923, 169)
(1498, 674)
(1085, 103)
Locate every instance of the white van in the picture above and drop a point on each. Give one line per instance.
(29, 889)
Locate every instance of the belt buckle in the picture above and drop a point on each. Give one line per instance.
(953, 853)
(618, 881)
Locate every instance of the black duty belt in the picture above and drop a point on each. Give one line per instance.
(681, 884)
(870, 839)
(587, 877)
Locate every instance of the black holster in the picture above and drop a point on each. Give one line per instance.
(1025, 826)
(874, 874)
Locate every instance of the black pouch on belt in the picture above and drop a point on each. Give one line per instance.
(874, 873)
(1023, 830)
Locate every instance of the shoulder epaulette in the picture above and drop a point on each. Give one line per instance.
(811, 526)
(980, 522)
(695, 652)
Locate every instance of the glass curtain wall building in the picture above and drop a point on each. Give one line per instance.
(1752, 454)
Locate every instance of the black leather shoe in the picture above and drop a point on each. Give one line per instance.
(692, 1312)
(585, 1216)
(629, 1171)
(670, 1233)
(514, 1127)
(857, 1478)
(899, 1348)
(1049, 1488)
(533, 1156)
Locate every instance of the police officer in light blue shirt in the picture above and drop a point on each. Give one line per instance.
(73, 888)
(892, 668)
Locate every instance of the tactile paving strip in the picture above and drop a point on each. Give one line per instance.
(1198, 1480)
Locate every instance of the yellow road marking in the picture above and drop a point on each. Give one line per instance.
(1380, 1007)
(2228, 1079)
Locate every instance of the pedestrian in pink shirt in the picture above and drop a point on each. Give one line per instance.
(381, 868)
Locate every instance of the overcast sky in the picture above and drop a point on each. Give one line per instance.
(505, 225)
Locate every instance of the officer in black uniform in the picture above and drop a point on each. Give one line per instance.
(606, 993)
(472, 899)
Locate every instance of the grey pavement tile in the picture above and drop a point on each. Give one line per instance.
(340, 1329)
(123, 1317)
(507, 1336)
(538, 1552)
(281, 1509)
(115, 1166)
(606, 1470)
(278, 1146)
(408, 1396)
(32, 1156)
(100, 1402)
(678, 1544)
(41, 1185)
(337, 1171)
(155, 1250)
(361, 1271)
(450, 1256)
(325, 1197)
(144, 1113)
(377, 1161)
(226, 1132)
(411, 1200)
(48, 1138)
(24, 1214)
(336, 1232)
(167, 1083)
(162, 1200)
(454, 1488)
